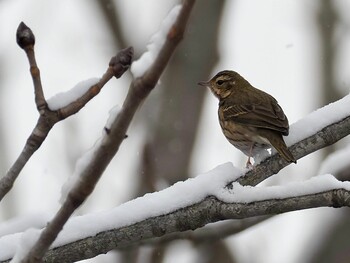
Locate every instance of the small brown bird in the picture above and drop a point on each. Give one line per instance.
(250, 119)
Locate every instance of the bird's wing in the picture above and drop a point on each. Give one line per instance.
(262, 115)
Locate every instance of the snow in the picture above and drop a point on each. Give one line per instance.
(27, 240)
(179, 195)
(248, 194)
(318, 119)
(20, 224)
(336, 162)
(154, 204)
(113, 113)
(140, 66)
(63, 99)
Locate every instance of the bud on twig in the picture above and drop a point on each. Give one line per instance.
(122, 61)
(24, 36)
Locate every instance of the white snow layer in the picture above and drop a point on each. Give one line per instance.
(21, 223)
(113, 113)
(26, 242)
(179, 195)
(140, 66)
(63, 99)
(318, 119)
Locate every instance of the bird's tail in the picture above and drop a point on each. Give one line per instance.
(278, 143)
(286, 154)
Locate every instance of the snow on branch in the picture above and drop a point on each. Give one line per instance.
(59, 107)
(139, 67)
(62, 99)
(185, 206)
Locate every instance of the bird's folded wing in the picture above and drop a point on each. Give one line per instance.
(268, 116)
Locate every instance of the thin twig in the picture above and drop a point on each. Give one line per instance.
(48, 118)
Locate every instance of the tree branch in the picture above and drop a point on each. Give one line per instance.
(189, 218)
(48, 118)
(209, 233)
(26, 40)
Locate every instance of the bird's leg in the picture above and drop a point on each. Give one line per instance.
(249, 164)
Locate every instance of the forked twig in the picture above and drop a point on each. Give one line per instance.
(48, 118)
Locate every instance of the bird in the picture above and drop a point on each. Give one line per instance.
(250, 119)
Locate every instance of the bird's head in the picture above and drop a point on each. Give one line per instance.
(224, 83)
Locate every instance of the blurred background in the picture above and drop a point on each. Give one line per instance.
(298, 51)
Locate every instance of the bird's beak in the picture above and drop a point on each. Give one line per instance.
(204, 83)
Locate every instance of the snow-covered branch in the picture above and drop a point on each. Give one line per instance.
(184, 206)
(190, 218)
(59, 107)
(215, 207)
(209, 233)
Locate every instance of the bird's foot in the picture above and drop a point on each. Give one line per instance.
(248, 165)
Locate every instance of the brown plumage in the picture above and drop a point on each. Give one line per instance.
(250, 119)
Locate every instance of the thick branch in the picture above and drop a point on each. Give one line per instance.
(209, 233)
(189, 218)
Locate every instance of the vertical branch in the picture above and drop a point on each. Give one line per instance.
(327, 22)
(26, 40)
(328, 19)
(110, 14)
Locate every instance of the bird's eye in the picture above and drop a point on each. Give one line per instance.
(220, 82)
